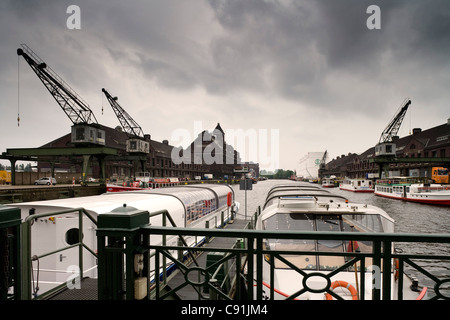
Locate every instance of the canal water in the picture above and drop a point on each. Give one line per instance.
(409, 218)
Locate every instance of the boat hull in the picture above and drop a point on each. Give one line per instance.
(352, 189)
(435, 194)
(117, 188)
(417, 199)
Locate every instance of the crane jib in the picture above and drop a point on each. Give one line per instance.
(393, 127)
(75, 108)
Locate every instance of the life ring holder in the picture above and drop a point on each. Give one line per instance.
(343, 284)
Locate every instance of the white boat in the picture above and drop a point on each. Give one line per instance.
(189, 207)
(403, 189)
(133, 186)
(311, 210)
(143, 184)
(328, 182)
(357, 185)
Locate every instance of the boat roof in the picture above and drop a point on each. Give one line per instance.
(300, 190)
(320, 201)
(151, 199)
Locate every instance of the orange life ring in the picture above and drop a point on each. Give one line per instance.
(343, 284)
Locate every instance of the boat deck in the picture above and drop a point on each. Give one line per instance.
(188, 293)
(89, 286)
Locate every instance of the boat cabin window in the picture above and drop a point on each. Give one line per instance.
(320, 222)
(72, 236)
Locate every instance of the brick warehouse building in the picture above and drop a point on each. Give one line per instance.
(430, 143)
(158, 162)
(224, 159)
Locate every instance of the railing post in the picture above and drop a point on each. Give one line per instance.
(10, 275)
(259, 268)
(80, 240)
(250, 269)
(387, 258)
(26, 268)
(207, 238)
(376, 278)
(121, 228)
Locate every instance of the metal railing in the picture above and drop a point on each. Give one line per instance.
(27, 268)
(247, 259)
(381, 257)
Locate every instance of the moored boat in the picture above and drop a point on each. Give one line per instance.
(357, 185)
(136, 185)
(139, 184)
(308, 210)
(195, 206)
(405, 189)
(329, 182)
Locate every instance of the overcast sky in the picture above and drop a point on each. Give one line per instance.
(310, 71)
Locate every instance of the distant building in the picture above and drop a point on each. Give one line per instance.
(158, 162)
(309, 165)
(249, 168)
(213, 153)
(430, 143)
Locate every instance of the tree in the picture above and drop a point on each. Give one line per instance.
(283, 174)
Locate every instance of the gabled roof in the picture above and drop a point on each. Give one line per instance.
(219, 128)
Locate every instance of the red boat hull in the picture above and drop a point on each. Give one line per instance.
(113, 188)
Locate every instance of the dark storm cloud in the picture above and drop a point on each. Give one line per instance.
(265, 45)
(315, 58)
(286, 48)
(296, 48)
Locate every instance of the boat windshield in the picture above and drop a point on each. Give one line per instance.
(320, 222)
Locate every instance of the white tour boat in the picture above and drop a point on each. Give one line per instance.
(329, 182)
(132, 186)
(357, 185)
(142, 184)
(406, 189)
(189, 207)
(306, 209)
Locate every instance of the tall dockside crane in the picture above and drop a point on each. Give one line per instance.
(322, 164)
(386, 146)
(385, 150)
(85, 129)
(137, 143)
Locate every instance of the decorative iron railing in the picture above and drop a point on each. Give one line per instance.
(245, 260)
